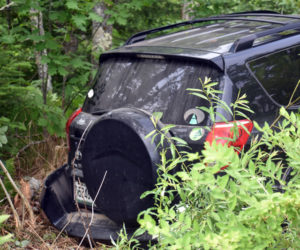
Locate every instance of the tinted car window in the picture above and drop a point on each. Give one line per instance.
(155, 85)
(279, 73)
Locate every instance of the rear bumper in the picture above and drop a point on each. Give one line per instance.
(60, 208)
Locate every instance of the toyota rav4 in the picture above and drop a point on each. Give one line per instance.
(111, 161)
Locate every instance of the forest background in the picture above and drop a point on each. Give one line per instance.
(49, 52)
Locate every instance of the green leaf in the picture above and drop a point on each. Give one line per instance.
(80, 21)
(121, 20)
(204, 109)
(188, 221)
(162, 139)
(3, 129)
(153, 138)
(209, 85)
(8, 39)
(215, 216)
(42, 122)
(194, 90)
(256, 125)
(221, 116)
(36, 37)
(150, 134)
(284, 113)
(209, 223)
(173, 150)
(51, 44)
(77, 63)
(62, 71)
(168, 127)
(45, 60)
(3, 218)
(179, 140)
(199, 95)
(58, 16)
(71, 4)
(157, 115)
(232, 202)
(3, 139)
(252, 167)
(93, 16)
(222, 181)
(184, 176)
(6, 238)
(52, 70)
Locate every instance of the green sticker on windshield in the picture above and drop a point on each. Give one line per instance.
(196, 134)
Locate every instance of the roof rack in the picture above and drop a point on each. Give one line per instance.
(261, 13)
(246, 42)
(142, 35)
(253, 12)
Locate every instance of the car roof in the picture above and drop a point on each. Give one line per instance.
(211, 38)
(223, 32)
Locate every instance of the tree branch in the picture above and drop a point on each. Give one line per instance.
(26, 202)
(7, 6)
(28, 146)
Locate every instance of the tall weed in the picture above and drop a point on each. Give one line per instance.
(252, 204)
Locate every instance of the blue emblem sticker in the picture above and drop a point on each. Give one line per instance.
(194, 116)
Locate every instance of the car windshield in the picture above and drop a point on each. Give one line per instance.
(151, 84)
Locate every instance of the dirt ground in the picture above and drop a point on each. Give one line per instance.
(36, 161)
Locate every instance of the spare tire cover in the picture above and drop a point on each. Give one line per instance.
(115, 144)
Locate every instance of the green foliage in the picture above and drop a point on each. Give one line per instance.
(129, 17)
(6, 238)
(23, 110)
(209, 93)
(249, 205)
(125, 243)
(200, 8)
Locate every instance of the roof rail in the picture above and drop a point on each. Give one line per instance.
(257, 14)
(246, 42)
(253, 12)
(142, 35)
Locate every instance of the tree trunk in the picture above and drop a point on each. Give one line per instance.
(37, 23)
(185, 10)
(101, 36)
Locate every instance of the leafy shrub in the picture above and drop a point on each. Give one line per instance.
(208, 8)
(23, 113)
(251, 204)
(25, 119)
(236, 210)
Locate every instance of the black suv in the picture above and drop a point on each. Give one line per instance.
(111, 163)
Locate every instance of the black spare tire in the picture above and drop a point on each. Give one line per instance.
(116, 144)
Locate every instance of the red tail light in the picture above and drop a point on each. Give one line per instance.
(223, 132)
(71, 118)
